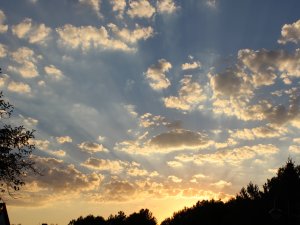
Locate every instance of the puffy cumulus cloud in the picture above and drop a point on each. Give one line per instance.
(190, 95)
(133, 36)
(94, 4)
(118, 6)
(140, 8)
(119, 190)
(64, 178)
(64, 139)
(233, 156)
(190, 66)
(166, 6)
(19, 87)
(175, 179)
(114, 166)
(87, 37)
(174, 164)
(268, 131)
(294, 149)
(3, 80)
(149, 120)
(92, 147)
(130, 109)
(54, 72)
(156, 75)
(34, 33)
(198, 177)
(211, 3)
(296, 140)
(3, 51)
(174, 140)
(40, 144)
(58, 153)
(135, 172)
(266, 65)
(180, 139)
(3, 27)
(290, 33)
(27, 59)
(221, 184)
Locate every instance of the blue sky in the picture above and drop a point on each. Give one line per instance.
(154, 104)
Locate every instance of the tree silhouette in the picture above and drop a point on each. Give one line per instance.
(143, 217)
(15, 151)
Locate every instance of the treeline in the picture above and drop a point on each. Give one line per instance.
(277, 203)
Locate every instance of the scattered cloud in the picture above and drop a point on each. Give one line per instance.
(118, 6)
(64, 139)
(54, 72)
(174, 164)
(133, 36)
(26, 60)
(294, 149)
(87, 37)
(191, 66)
(19, 87)
(140, 9)
(3, 51)
(175, 179)
(156, 75)
(3, 27)
(34, 33)
(290, 33)
(166, 6)
(114, 166)
(190, 95)
(92, 147)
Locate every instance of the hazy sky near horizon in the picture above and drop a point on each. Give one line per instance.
(149, 103)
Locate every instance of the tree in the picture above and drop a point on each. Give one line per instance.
(143, 217)
(15, 151)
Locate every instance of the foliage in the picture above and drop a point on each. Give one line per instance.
(15, 151)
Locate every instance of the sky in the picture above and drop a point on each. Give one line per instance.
(149, 103)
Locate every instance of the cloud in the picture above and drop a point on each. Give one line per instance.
(149, 120)
(140, 8)
(211, 3)
(268, 131)
(221, 184)
(64, 139)
(166, 6)
(3, 27)
(3, 51)
(190, 66)
(156, 75)
(231, 156)
(190, 95)
(294, 149)
(58, 153)
(34, 33)
(87, 37)
(118, 6)
(290, 33)
(114, 166)
(133, 36)
(174, 164)
(54, 72)
(27, 59)
(266, 66)
(19, 87)
(175, 179)
(94, 4)
(91, 147)
(180, 139)
(41, 144)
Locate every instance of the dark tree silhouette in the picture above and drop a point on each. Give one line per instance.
(118, 219)
(88, 220)
(143, 217)
(15, 151)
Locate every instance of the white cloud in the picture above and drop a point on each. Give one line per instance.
(221, 184)
(34, 33)
(27, 59)
(133, 36)
(175, 179)
(64, 139)
(174, 164)
(19, 87)
(294, 149)
(149, 120)
(156, 75)
(190, 95)
(54, 72)
(141, 9)
(94, 4)
(119, 6)
(87, 37)
(114, 166)
(58, 153)
(166, 6)
(190, 66)
(91, 147)
(3, 51)
(3, 27)
(290, 33)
